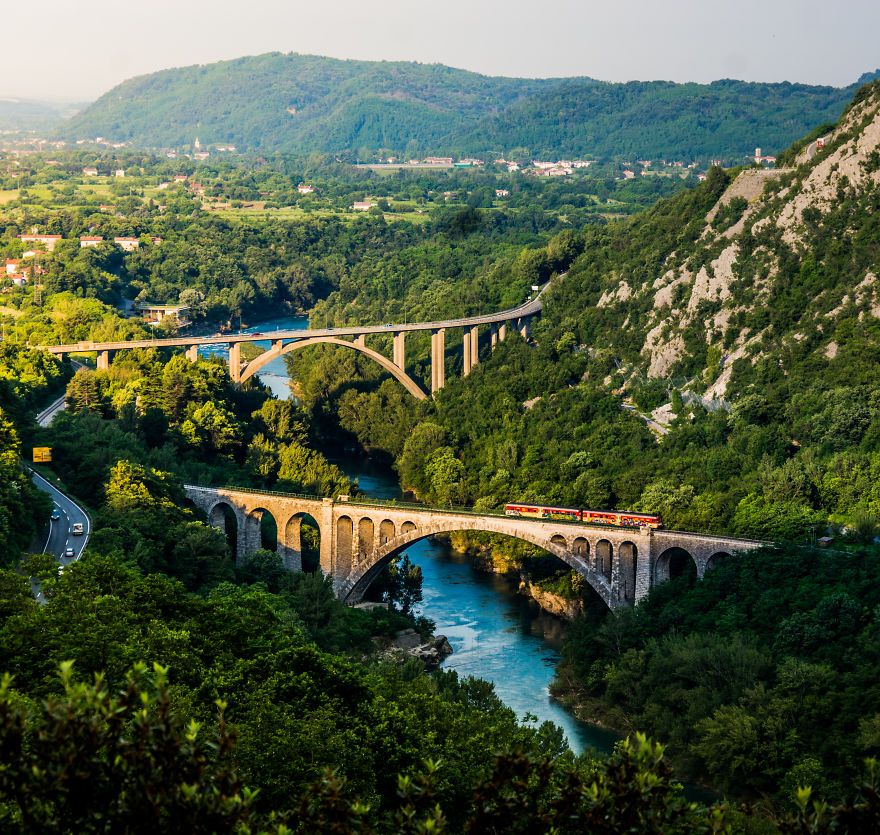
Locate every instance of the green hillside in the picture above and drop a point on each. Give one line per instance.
(724, 119)
(306, 103)
(298, 102)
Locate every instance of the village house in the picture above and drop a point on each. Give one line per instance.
(627, 174)
(90, 172)
(89, 241)
(48, 241)
(304, 189)
(512, 166)
(502, 192)
(11, 266)
(438, 160)
(180, 178)
(362, 205)
(155, 313)
(33, 253)
(128, 244)
(19, 280)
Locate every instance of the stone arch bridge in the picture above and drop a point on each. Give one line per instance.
(358, 538)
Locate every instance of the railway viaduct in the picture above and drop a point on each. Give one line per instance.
(359, 537)
(354, 338)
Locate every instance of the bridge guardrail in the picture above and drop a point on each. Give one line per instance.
(255, 491)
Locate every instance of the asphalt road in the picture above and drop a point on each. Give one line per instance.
(61, 530)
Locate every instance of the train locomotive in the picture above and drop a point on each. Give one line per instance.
(616, 518)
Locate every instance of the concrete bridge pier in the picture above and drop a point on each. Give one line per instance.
(103, 360)
(361, 340)
(399, 355)
(502, 332)
(475, 345)
(192, 353)
(523, 324)
(493, 336)
(235, 361)
(468, 356)
(438, 359)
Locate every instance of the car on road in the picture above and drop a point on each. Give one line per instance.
(56, 513)
(77, 529)
(69, 552)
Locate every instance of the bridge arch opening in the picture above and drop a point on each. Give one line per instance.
(366, 532)
(627, 555)
(715, 559)
(399, 374)
(551, 555)
(386, 531)
(260, 531)
(223, 516)
(604, 556)
(344, 537)
(673, 563)
(299, 545)
(581, 547)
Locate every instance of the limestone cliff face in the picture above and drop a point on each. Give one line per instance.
(714, 289)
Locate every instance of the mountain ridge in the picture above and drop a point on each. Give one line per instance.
(304, 103)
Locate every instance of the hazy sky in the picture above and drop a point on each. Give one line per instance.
(79, 49)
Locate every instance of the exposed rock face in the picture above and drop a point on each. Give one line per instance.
(730, 272)
(563, 607)
(408, 644)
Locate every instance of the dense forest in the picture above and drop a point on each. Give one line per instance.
(305, 103)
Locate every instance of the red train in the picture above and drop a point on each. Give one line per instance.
(618, 518)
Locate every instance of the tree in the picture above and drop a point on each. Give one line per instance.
(404, 584)
(97, 761)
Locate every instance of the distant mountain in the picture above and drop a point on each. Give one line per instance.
(299, 103)
(305, 103)
(26, 115)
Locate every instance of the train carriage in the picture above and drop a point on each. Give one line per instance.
(617, 518)
(568, 514)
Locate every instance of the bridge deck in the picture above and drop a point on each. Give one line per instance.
(524, 310)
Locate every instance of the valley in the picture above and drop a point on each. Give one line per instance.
(699, 349)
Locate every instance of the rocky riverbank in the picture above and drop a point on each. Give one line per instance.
(555, 604)
(408, 644)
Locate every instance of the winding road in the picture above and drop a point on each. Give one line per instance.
(61, 535)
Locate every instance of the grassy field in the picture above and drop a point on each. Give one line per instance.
(10, 311)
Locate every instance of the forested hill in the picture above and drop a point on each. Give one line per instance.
(305, 103)
(299, 103)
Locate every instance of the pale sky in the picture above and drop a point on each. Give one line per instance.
(79, 49)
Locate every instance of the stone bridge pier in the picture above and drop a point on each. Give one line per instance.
(357, 539)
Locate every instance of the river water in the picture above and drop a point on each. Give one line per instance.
(495, 633)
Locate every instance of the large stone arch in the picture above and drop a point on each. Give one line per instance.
(673, 562)
(581, 547)
(401, 376)
(352, 587)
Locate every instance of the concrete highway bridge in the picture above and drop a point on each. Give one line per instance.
(349, 337)
(358, 538)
